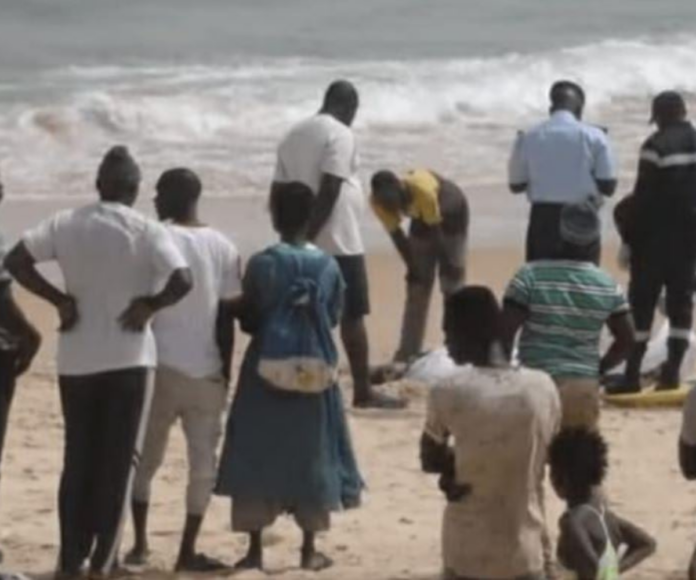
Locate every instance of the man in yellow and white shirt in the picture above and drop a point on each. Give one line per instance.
(435, 243)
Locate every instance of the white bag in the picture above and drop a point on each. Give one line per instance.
(432, 367)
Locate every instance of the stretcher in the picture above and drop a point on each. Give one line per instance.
(650, 398)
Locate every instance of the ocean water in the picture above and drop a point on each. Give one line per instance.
(214, 84)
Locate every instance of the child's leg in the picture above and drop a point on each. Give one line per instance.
(254, 558)
(251, 517)
(311, 521)
(311, 559)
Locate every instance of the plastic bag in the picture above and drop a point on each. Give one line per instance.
(432, 367)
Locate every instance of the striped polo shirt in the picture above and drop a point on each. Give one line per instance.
(568, 304)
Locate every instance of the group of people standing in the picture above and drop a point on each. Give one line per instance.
(528, 392)
(147, 317)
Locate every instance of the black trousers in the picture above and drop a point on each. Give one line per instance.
(7, 389)
(663, 264)
(544, 233)
(105, 420)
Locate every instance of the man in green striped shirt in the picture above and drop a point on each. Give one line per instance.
(561, 306)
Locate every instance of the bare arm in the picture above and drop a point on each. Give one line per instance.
(329, 190)
(518, 169)
(403, 246)
(518, 187)
(224, 334)
(607, 187)
(687, 460)
(514, 317)
(21, 264)
(621, 328)
(13, 319)
(435, 457)
(438, 458)
(640, 545)
(142, 309)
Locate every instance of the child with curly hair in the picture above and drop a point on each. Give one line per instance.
(594, 543)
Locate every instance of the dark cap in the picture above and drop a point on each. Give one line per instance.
(668, 105)
(580, 224)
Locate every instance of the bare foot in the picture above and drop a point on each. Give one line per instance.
(315, 561)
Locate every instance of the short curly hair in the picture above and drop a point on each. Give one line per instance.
(579, 460)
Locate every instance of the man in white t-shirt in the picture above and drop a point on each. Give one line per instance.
(119, 268)
(321, 153)
(194, 347)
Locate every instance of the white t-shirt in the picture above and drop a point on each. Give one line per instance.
(185, 333)
(318, 145)
(109, 254)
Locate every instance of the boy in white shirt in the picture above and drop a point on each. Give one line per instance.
(194, 344)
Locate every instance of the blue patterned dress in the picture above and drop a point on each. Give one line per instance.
(287, 451)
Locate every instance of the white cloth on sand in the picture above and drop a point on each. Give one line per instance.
(432, 367)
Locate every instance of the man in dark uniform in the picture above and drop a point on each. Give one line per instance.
(659, 226)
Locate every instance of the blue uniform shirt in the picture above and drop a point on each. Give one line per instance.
(560, 159)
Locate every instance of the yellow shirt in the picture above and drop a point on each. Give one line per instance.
(424, 188)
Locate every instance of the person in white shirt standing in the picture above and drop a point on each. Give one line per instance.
(194, 345)
(119, 268)
(321, 153)
(560, 161)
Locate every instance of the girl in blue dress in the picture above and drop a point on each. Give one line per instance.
(287, 445)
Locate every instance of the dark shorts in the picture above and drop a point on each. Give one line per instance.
(357, 296)
(544, 233)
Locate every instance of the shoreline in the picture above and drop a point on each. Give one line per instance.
(498, 218)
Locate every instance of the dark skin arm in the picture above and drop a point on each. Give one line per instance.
(142, 309)
(438, 458)
(21, 264)
(13, 320)
(607, 187)
(224, 334)
(329, 190)
(402, 245)
(640, 545)
(621, 328)
(514, 317)
(687, 460)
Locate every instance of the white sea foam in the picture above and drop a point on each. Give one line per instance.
(458, 115)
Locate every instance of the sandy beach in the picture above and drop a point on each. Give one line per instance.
(396, 533)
